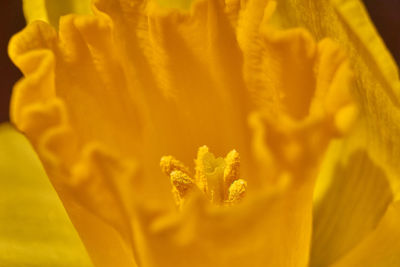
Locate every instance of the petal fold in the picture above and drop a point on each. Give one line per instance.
(352, 206)
(381, 247)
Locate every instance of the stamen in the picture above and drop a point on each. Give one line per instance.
(169, 164)
(217, 178)
(237, 191)
(200, 176)
(181, 185)
(182, 182)
(231, 172)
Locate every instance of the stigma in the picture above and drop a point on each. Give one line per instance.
(218, 178)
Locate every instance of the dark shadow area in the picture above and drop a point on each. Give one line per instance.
(386, 17)
(11, 21)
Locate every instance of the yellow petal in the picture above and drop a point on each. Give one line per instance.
(377, 90)
(381, 247)
(34, 227)
(346, 21)
(51, 10)
(182, 4)
(35, 10)
(352, 206)
(377, 86)
(357, 20)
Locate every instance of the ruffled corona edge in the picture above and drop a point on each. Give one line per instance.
(99, 184)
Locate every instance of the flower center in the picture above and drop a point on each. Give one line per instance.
(217, 178)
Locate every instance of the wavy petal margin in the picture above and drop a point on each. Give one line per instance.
(162, 97)
(42, 116)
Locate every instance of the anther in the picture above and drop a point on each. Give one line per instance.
(231, 172)
(217, 178)
(237, 191)
(182, 182)
(169, 164)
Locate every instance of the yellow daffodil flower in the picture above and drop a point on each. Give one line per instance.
(216, 133)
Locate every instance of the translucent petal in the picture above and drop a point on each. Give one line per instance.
(34, 227)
